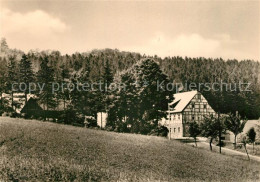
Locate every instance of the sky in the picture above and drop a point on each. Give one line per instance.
(227, 29)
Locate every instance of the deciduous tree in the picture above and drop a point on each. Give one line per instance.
(251, 136)
(194, 131)
(211, 127)
(235, 124)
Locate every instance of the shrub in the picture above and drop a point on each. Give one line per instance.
(194, 131)
(90, 122)
(109, 128)
(160, 131)
(70, 116)
(14, 115)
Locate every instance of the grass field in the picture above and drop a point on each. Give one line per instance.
(43, 151)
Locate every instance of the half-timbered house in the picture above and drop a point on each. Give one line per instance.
(187, 107)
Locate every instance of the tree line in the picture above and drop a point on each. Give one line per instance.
(136, 108)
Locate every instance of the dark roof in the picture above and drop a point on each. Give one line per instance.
(31, 105)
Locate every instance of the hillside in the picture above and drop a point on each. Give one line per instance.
(238, 80)
(42, 151)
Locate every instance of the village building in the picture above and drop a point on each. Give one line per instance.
(33, 108)
(102, 119)
(249, 124)
(187, 107)
(18, 100)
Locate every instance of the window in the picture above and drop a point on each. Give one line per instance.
(205, 106)
(174, 130)
(199, 96)
(193, 117)
(179, 116)
(179, 129)
(192, 105)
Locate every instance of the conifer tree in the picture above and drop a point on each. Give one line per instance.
(45, 77)
(3, 78)
(3, 46)
(86, 100)
(26, 74)
(12, 77)
(107, 79)
(107, 75)
(63, 79)
(75, 94)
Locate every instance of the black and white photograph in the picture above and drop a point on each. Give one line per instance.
(130, 91)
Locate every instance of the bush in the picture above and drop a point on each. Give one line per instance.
(90, 122)
(160, 131)
(6, 114)
(14, 115)
(71, 116)
(109, 128)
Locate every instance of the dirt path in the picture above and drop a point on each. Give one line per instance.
(226, 151)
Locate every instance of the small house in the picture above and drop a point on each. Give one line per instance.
(32, 108)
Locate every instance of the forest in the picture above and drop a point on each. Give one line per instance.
(112, 65)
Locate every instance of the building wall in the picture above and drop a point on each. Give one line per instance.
(195, 111)
(174, 124)
(177, 123)
(250, 124)
(101, 119)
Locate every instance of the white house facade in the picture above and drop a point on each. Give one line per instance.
(187, 107)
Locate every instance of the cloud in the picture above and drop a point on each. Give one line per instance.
(225, 38)
(42, 30)
(35, 27)
(192, 45)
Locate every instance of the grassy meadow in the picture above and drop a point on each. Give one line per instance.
(41, 151)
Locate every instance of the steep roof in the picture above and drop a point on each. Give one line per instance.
(31, 105)
(181, 100)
